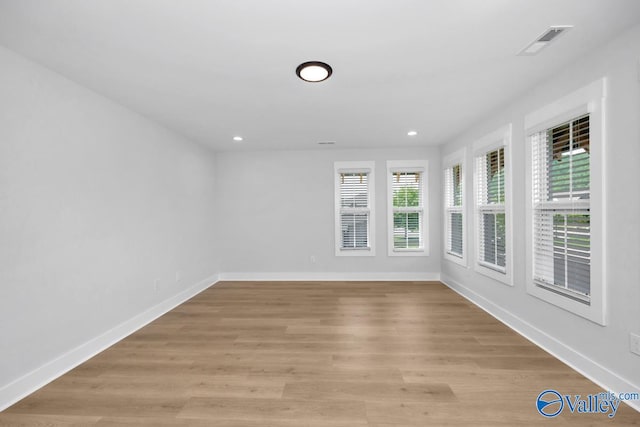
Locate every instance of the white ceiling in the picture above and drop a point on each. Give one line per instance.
(212, 69)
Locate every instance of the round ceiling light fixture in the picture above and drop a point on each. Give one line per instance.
(314, 71)
(412, 133)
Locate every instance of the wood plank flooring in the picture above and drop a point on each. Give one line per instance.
(311, 354)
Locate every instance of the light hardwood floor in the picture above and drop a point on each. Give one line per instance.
(311, 354)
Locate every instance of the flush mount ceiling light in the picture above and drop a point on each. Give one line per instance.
(412, 133)
(237, 138)
(314, 71)
(551, 34)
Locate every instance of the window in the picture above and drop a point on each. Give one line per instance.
(354, 183)
(561, 216)
(492, 200)
(406, 208)
(491, 211)
(454, 216)
(565, 184)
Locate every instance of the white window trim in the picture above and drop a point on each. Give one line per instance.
(589, 99)
(408, 166)
(456, 158)
(364, 166)
(497, 139)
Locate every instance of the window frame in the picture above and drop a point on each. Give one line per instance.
(500, 138)
(354, 167)
(408, 166)
(456, 158)
(589, 99)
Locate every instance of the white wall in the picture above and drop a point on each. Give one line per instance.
(601, 352)
(277, 211)
(95, 204)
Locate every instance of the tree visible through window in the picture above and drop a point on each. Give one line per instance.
(407, 210)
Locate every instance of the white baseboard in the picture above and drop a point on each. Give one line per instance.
(322, 276)
(597, 373)
(27, 384)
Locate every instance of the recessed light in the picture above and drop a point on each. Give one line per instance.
(237, 138)
(412, 133)
(314, 71)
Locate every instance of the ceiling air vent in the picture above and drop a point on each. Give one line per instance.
(543, 41)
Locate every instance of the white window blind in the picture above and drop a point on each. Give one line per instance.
(490, 209)
(408, 209)
(354, 210)
(454, 211)
(561, 208)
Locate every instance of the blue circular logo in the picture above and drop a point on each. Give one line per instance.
(549, 403)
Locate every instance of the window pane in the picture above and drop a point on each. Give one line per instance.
(455, 228)
(495, 176)
(406, 230)
(488, 228)
(568, 160)
(353, 190)
(457, 185)
(572, 252)
(406, 189)
(492, 239)
(563, 250)
(355, 229)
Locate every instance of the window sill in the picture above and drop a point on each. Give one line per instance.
(592, 311)
(408, 252)
(494, 274)
(355, 252)
(460, 260)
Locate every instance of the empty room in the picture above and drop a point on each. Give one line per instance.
(306, 214)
